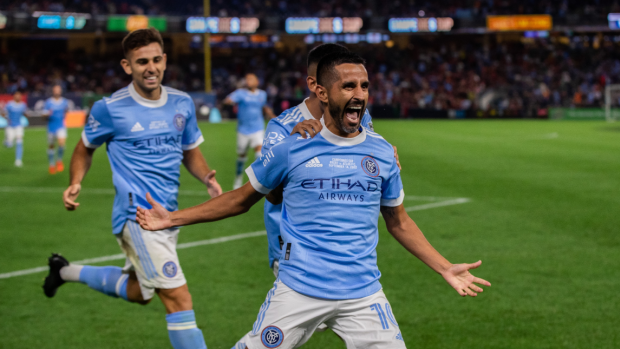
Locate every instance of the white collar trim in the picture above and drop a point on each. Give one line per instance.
(148, 102)
(305, 112)
(341, 141)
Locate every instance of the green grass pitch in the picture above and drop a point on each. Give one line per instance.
(543, 217)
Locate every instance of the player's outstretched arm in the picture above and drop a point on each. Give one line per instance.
(196, 164)
(407, 233)
(229, 204)
(81, 160)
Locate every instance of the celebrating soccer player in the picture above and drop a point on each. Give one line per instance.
(252, 103)
(149, 130)
(14, 110)
(328, 266)
(55, 109)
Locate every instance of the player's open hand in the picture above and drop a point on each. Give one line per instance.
(462, 281)
(157, 218)
(70, 195)
(311, 127)
(213, 187)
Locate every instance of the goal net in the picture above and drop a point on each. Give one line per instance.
(612, 102)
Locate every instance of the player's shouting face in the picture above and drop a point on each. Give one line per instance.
(346, 95)
(146, 65)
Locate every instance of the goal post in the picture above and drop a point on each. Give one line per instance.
(612, 102)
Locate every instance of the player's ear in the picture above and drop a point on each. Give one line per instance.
(311, 81)
(165, 60)
(321, 93)
(126, 66)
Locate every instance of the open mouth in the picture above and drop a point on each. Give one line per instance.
(352, 114)
(150, 79)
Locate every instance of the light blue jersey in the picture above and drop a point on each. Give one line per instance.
(333, 190)
(57, 108)
(145, 143)
(15, 112)
(250, 110)
(278, 129)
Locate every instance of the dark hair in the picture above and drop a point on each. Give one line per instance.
(140, 38)
(318, 52)
(326, 72)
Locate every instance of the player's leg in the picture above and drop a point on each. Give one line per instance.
(181, 320)
(367, 323)
(243, 141)
(19, 145)
(51, 140)
(61, 135)
(9, 136)
(286, 320)
(256, 143)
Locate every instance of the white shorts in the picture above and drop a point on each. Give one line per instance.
(13, 134)
(153, 256)
(252, 141)
(52, 137)
(288, 319)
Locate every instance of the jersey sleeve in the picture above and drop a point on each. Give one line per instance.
(367, 121)
(274, 134)
(192, 136)
(47, 106)
(235, 96)
(99, 128)
(268, 171)
(392, 193)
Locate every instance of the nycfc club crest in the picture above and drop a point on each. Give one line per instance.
(170, 269)
(272, 337)
(370, 166)
(179, 122)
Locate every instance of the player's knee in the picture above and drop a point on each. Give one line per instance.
(143, 302)
(111, 277)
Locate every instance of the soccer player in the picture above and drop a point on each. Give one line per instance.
(14, 110)
(252, 103)
(55, 109)
(149, 130)
(328, 266)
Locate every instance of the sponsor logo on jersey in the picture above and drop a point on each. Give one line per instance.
(137, 127)
(273, 138)
(314, 163)
(157, 125)
(272, 337)
(370, 166)
(179, 122)
(170, 269)
(339, 184)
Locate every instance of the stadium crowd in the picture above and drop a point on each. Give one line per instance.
(454, 8)
(513, 79)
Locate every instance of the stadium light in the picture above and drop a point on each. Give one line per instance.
(416, 25)
(56, 20)
(227, 25)
(329, 25)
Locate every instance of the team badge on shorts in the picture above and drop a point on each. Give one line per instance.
(370, 166)
(179, 122)
(272, 337)
(170, 269)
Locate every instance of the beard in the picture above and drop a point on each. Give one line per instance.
(337, 113)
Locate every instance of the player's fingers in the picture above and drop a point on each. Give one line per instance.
(475, 288)
(474, 265)
(470, 292)
(481, 281)
(210, 175)
(149, 199)
(461, 292)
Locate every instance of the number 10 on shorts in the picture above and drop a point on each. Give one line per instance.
(382, 315)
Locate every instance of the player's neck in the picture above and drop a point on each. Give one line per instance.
(253, 89)
(152, 95)
(331, 126)
(314, 106)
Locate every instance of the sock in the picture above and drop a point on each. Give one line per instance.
(240, 163)
(50, 156)
(71, 272)
(107, 280)
(183, 331)
(60, 154)
(19, 150)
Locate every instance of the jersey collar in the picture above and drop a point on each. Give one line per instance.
(341, 141)
(305, 112)
(147, 102)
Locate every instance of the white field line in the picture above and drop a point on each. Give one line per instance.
(122, 256)
(449, 202)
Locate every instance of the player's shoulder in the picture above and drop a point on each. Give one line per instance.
(174, 93)
(100, 108)
(290, 116)
(117, 96)
(376, 139)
